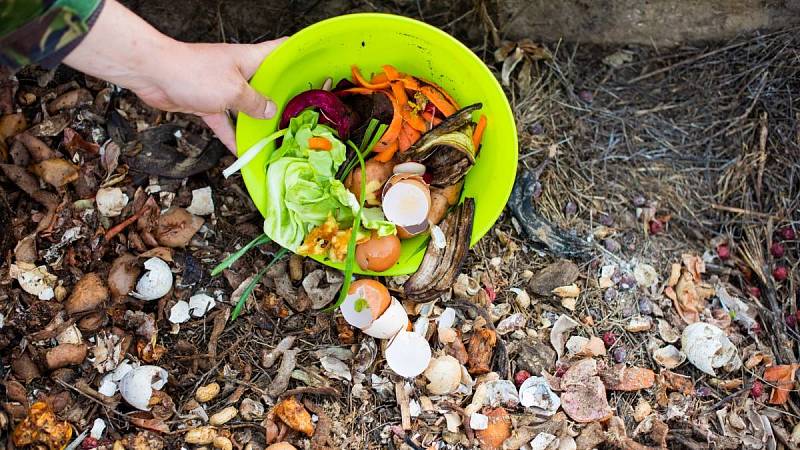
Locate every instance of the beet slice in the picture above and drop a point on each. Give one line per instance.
(332, 110)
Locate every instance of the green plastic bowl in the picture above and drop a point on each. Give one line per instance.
(329, 48)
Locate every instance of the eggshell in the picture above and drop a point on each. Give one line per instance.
(444, 374)
(156, 282)
(138, 384)
(389, 323)
(408, 354)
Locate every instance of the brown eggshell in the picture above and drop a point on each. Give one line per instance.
(377, 175)
(497, 432)
(89, 293)
(378, 253)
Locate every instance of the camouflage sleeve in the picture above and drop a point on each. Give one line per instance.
(43, 31)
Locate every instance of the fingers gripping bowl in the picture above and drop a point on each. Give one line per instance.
(329, 48)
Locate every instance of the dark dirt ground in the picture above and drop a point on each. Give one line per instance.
(645, 154)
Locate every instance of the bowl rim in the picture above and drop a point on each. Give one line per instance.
(497, 211)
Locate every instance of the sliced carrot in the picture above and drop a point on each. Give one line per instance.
(399, 92)
(411, 83)
(477, 135)
(361, 81)
(408, 137)
(438, 100)
(379, 77)
(433, 120)
(394, 127)
(319, 143)
(356, 90)
(385, 154)
(414, 120)
(443, 92)
(391, 73)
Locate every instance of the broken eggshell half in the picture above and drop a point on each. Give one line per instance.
(137, 385)
(406, 202)
(389, 323)
(155, 283)
(408, 354)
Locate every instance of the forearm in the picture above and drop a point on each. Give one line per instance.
(123, 49)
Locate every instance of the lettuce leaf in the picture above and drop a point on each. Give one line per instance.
(302, 190)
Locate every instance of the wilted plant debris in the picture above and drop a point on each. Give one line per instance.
(639, 292)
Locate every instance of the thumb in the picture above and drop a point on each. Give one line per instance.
(252, 103)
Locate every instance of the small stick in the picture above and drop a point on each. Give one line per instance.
(402, 400)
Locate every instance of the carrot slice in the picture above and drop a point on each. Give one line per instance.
(433, 120)
(379, 77)
(411, 83)
(394, 127)
(391, 73)
(361, 81)
(443, 92)
(385, 154)
(319, 143)
(399, 92)
(477, 135)
(438, 100)
(408, 137)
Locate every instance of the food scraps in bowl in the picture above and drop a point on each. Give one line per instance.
(417, 146)
(359, 168)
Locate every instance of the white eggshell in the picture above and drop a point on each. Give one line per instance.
(444, 375)
(535, 393)
(408, 354)
(111, 201)
(156, 282)
(389, 323)
(406, 204)
(200, 304)
(708, 348)
(447, 318)
(359, 319)
(409, 167)
(98, 427)
(179, 313)
(138, 384)
(478, 421)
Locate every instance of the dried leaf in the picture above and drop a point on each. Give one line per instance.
(57, 172)
(295, 415)
(783, 377)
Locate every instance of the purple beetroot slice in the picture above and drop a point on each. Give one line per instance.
(332, 110)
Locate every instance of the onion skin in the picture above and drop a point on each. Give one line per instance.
(332, 111)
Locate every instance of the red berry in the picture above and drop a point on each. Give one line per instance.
(89, 443)
(756, 328)
(521, 376)
(723, 251)
(427, 177)
(609, 338)
(656, 226)
(791, 320)
(787, 233)
(561, 369)
(777, 250)
(780, 273)
(754, 291)
(757, 389)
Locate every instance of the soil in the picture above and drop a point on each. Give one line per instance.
(682, 160)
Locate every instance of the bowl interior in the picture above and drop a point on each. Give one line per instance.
(329, 48)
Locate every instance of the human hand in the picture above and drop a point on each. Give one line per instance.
(209, 80)
(203, 79)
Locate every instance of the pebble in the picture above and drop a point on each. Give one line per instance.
(645, 306)
(611, 245)
(570, 208)
(610, 294)
(619, 354)
(638, 324)
(639, 200)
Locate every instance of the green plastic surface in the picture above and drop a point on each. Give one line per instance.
(329, 48)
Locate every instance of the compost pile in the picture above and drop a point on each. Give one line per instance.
(639, 292)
